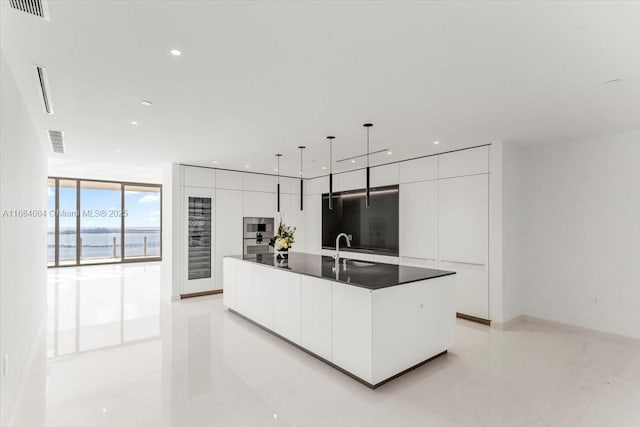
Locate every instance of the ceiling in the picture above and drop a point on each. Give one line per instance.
(259, 78)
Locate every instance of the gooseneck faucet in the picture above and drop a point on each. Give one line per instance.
(347, 238)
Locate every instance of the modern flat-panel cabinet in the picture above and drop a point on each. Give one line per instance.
(257, 203)
(286, 305)
(262, 294)
(315, 311)
(198, 240)
(464, 239)
(419, 220)
(228, 221)
(230, 273)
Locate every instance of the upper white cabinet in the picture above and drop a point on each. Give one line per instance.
(422, 169)
(464, 219)
(349, 181)
(229, 180)
(199, 177)
(257, 203)
(318, 185)
(258, 182)
(385, 175)
(464, 162)
(419, 220)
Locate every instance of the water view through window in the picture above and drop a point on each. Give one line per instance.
(103, 222)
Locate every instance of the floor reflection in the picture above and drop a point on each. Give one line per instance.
(103, 306)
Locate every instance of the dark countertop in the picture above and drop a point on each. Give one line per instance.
(364, 274)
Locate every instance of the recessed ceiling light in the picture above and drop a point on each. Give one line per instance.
(300, 173)
(436, 142)
(389, 153)
(215, 162)
(275, 170)
(246, 166)
(146, 103)
(133, 122)
(175, 52)
(353, 161)
(324, 167)
(117, 150)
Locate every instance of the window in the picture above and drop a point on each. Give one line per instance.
(67, 221)
(103, 222)
(142, 221)
(100, 222)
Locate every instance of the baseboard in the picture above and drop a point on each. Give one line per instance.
(503, 326)
(579, 329)
(201, 294)
(473, 318)
(24, 373)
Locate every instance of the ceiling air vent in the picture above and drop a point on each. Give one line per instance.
(43, 86)
(32, 7)
(55, 136)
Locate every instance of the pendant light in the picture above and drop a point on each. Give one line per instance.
(301, 147)
(278, 187)
(331, 138)
(367, 126)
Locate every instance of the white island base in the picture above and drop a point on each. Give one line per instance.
(373, 335)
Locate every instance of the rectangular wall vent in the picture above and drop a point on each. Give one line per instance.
(43, 86)
(32, 7)
(57, 145)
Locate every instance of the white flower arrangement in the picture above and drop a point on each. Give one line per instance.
(284, 237)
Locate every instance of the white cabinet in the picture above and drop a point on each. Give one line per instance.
(243, 289)
(286, 305)
(230, 274)
(262, 295)
(464, 234)
(352, 330)
(349, 181)
(419, 220)
(318, 185)
(411, 323)
(228, 226)
(472, 296)
(199, 177)
(315, 316)
(423, 169)
(259, 204)
(464, 219)
(464, 162)
(229, 180)
(258, 182)
(385, 175)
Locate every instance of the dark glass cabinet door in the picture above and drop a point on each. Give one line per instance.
(199, 234)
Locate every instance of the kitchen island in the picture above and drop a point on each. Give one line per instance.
(372, 321)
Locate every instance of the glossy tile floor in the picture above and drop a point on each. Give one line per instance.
(116, 355)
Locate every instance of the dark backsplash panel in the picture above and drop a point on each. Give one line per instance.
(374, 229)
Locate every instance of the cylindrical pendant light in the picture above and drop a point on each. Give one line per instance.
(331, 138)
(278, 187)
(301, 147)
(367, 126)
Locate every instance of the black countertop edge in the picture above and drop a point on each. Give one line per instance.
(373, 276)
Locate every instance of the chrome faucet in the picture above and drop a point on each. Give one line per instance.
(347, 238)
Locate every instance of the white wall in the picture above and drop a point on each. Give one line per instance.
(23, 256)
(577, 232)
